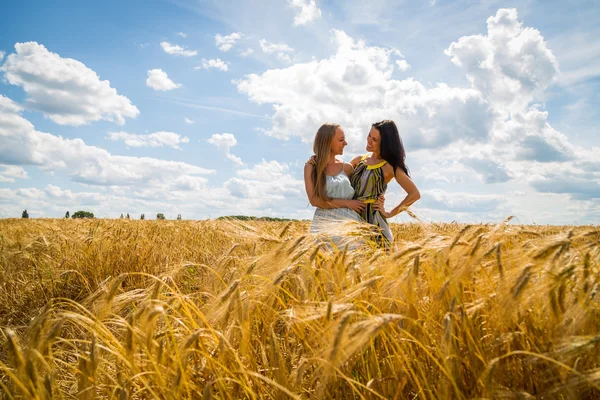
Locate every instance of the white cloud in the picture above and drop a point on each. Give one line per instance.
(280, 50)
(64, 89)
(176, 50)
(581, 180)
(536, 140)
(225, 43)
(284, 57)
(156, 139)
(224, 142)
(182, 34)
(460, 201)
(235, 159)
(511, 66)
(159, 80)
(247, 52)
(490, 171)
(354, 88)
(265, 171)
(270, 48)
(11, 172)
(493, 128)
(21, 145)
(402, 65)
(216, 64)
(266, 181)
(239, 188)
(188, 121)
(2, 55)
(306, 11)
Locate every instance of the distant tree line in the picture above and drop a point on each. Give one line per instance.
(161, 216)
(251, 218)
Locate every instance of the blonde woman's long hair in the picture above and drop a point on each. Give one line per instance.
(322, 149)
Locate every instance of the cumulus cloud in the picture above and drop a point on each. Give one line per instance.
(176, 50)
(535, 138)
(280, 50)
(10, 173)
(354, 87)
(22, 145)
(224, 142)
(269, 48)
(579, 185)
(182, 34)
(2, 53)
(460, 201)
(511, 66)
(64, 89)
(156, 139)
(214, 64)
(159, 80)
(489, 170)
(402, 65)
(266, 171)
(267, 180)
(239, 188)
(306, 11)
(581, 179)
(225, 43)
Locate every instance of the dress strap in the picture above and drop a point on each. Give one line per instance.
(364, 157)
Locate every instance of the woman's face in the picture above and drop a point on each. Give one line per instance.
(374, 141)
(338, 142)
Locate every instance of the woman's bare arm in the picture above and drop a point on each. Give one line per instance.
(412, 193)
(355, 205)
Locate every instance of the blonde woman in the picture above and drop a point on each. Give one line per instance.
(371, 173)
(327, 182)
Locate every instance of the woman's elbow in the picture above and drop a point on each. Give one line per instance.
(416, 195)
(313, 202)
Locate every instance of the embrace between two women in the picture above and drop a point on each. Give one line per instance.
(355, 191)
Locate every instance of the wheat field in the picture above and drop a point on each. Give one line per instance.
(125, 309)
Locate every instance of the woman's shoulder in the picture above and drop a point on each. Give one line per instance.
(348, 168)
(358, 159)
(308, 167)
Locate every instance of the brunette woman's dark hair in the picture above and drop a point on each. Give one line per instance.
(392, 149)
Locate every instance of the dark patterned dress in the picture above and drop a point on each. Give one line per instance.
(369, 183)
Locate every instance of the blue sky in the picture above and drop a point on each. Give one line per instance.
(208, 108)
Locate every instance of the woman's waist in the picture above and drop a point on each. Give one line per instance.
(367, 199)
(335, 212)
(341, 194)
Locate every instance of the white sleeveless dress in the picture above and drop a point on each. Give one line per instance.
(325, 220)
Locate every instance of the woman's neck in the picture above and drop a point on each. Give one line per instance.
(376, 155)
(331, 159)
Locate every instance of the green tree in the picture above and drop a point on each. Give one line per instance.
(121, 217)
(142, 216)
(25, 214)
(83, 214)
(67, 215)
(178, 217)
(128, 216)
(160, 216)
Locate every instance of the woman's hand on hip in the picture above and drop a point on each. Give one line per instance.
(356, 205)
(379, 206)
